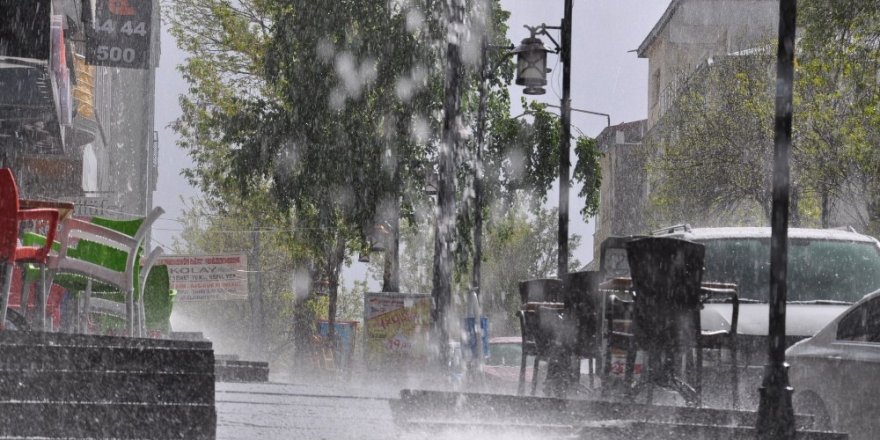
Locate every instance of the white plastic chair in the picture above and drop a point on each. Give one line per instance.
(73, 230)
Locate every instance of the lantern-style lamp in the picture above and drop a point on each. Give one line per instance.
(531, 65)
(379, 238)
(432, 183)
(322, 287)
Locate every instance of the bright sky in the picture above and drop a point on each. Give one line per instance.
(606, 78)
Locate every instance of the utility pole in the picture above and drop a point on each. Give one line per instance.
(775, 412)
(257, 298)
(565, 142)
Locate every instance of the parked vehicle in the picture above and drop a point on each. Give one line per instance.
(834, 373)
(501, 368)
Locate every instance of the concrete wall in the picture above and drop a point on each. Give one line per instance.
(623, 192)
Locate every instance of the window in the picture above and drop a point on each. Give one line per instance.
(862, 323)
(817, 269)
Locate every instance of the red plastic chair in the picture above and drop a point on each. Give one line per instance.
(11, 253)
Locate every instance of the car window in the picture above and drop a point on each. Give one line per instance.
(817, 269)
(862, 323)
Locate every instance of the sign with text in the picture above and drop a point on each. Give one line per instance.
(397, 329)
(207, 277)
(122, 35)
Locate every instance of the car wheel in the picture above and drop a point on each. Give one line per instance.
(15, 321)
(810, 403)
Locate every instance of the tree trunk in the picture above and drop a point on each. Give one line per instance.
(445, 222)
(391, 273)
(334, 264)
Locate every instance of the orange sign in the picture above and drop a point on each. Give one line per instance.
(121, 7)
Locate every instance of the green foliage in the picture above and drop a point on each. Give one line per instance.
(588, 172)
(323, 121)
(714, 145)
(520, 246)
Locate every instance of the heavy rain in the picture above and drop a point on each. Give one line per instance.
(407, 219)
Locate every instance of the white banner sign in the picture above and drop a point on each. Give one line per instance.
(208, 277)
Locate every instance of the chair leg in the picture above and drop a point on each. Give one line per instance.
(698, 376)
(4, 294)
(735, 375)
(26, 286)
(142, 317)
(129, 311)
(521, 388)
(535, 374)
(42, 299)
(87, 307)
(631, 354)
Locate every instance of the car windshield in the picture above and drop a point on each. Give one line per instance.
(818, 270)
(507, 355)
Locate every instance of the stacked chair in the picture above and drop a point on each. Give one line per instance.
(665, 315)
(11, 251)
(89, 252)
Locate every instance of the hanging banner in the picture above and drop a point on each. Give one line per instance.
(397, 329)
(122, 36)
(207, 277)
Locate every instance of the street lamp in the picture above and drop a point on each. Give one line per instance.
(532, 73)
(531, 64)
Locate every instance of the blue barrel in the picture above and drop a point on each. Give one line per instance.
(471, 333)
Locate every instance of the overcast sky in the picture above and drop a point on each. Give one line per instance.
(606, 78)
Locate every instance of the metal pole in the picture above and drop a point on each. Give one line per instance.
(775, 412)
(565, 142)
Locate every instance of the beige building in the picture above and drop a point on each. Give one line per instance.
(689, 33)
(693, 31)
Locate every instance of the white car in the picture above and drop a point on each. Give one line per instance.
(828, 270)
(835, 373)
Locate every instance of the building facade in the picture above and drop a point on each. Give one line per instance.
(74, 125)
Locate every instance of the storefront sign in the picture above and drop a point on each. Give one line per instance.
(122, 35)
(207, 277)
(397, 329)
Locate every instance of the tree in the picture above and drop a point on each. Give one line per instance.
(711, 152)
(519, 247)
(838, 67)
(329, 117)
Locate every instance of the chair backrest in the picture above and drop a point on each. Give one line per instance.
(103, 247)
(582, 299)
(613, 261)
(666, 275)
(540, 290)
(8, 214)
(666, 271)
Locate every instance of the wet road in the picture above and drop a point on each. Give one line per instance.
(302, 411)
